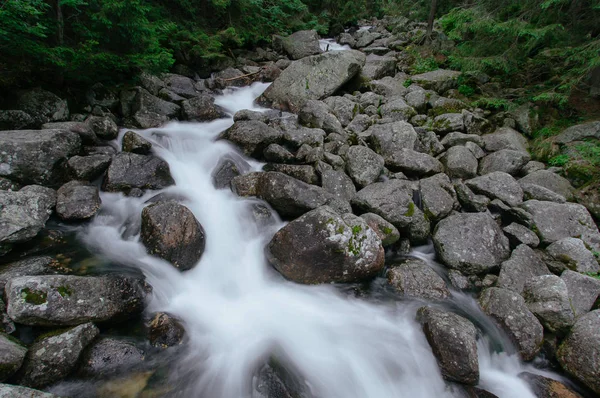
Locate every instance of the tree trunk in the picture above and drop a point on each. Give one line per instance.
(432, 12)
(60, 24)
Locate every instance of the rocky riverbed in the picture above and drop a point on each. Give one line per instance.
(362, 161)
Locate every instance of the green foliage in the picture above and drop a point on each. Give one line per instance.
(466, 90)
(559, 160)
(407, 83)
(494, 104)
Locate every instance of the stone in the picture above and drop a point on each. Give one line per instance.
(438, 80)
(438, 196)
(385, 230)
(343, 108)
(147, 120)
(387, 139)
(164, 330)
(278, 154)
(305, 173)
(323, 246)
(448, 122)
(88, 168)
(460, 162)
(579, 133)
(579, 351)
(392, 200)
(43, 106)
(509, 311)
(418, 100)
(505, 160)
(498, 185)
(11, 391)
(14, 119)
(532, 167)
(476, 124)
(107, 356)
(413, 163)
(413, 278)
(103, 126)
(583, 291)
(519, 234)
(135, 143)
(65, 300)
(363, 165)
(505, 138)
(36, 156)
(547, 298)
(524, 264)
(301, 44)
(145, 103)
(589, 196)
(551, 181)
(130, 170)
(453, 340)
(252, 136)
(470, 242)
(574, 255)
(378, 66)
(475, 150)
(77, 200)
(338, 184)
(546, 387)
(297, 138)
(429, 143)
(12, 354)
(389, 86)
(227, 169)
(84, 129)
(316, 114)
(526, 119)
(396, 109)
(201, 108)
(314, 77)
(38, 265)
(246, 185)
(537, 192)
(456, 138)
(171, 232)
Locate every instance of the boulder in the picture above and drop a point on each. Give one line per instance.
(36, 156)
(579, 133)
(11, 391)
(448, 122)
(547, 298)
(301, 44)
(343, 108)
(88, 168)
(52, 358)
(77, 200)
(130, 170)
(297, 138)
(227, 169)
(505, 160)
(316, 114)
(453, 340)
(163, 330)
(470, 242)
(181, 85)
(323, 246)
(305, 173)
(537, 192)
(135, 143)
(509, 311)
(439, 80)
(551, 181)
(385, 230)
(201, 109)
(61, 300)
(392, 200)
(107, 356)
(579, 353)
(523, 264)
(171, 232)
(413, 278)
(278, 154)
(519, 234)
(43, 106)
(505, 138)
(103, 127)
(438, 196)
(15, 120)
(413, 163)
(252, 136)
(378, 66)
(574, 255)
(546, 387)
(39, 265)
(363, 165)
(145, 103)
(460, 162)
(338, 184)
(456, 138)
(498, 185)
(418, 99)
(583, 291)
(589, 196)
(84, 129)
(396, 109)
(314, 77)
(387, 139)
(12, 354)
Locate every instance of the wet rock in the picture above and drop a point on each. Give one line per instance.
(574, 255)
(583, 291)
(314, 77)
(227, 169)
(524, 263)
(547, 298)
(129, 171)
(453, 340)
(43, 106)
(36, 156)
(303, 173)
(470, 242)
(448, 122)
(548, 388)
(107, 356)
(414, 163)
(201, 108)
(88, 168)
(15, 120)
(505, 160)
(77, 200)
(460, 162)
(551, 181)
(135, 143)
(278, 154)
(413, 278)
(39, 265)
(61, 300)
(438, 196)
(6, 324)
(509, 311)
(12, 354)
(246, 184)
(498, 185)
(164, 330)
(171, 232)
(23, 214)
(323, 247)
(146, 120)
(103, 126)
(439, 80)
(579, 352)
(363, 165)
(300, 44)
(518, 234)
(385, 230)
(252, 136)
(316, 114)
(338, 184)
(391, 200)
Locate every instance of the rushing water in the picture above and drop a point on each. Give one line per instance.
(238, 312)
(332, 45)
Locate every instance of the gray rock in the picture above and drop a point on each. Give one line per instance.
(363, 165)
(77, 200)
(36, 156)
(23, 214)
(476, 124)
(469, 200)
(547, 298)
(129, 170)
(387, 139)
(52, 358)
(524, 264)
(347, 38)
(164, 330)
(532, 167)
(227, 169)
(6, 324)
(389, 86)
(439, 80)
(301, 44)
(103, 126)
(61, 300)
(278, 154)
(314, 77)
(430, 143)
(505, 138)
(448, 122)
(453, 340)
(413, 163)
(359, 124)
(365, 38)
(151, 83)
(135, 143)
(456, 138)
(475, 150)
(146, 120)
(498, 185)
(305, 173)
(43, 106)
(385, 230)
(391, 200)
(344, 109)
(296, 138)
(589, 196)
(438, 196)
(88, 168)
(338, 184)
(551, 181)
(509, 311)
(574, 255)
(519, 234)
(583, 291)
(316, 114)
(526, 119)
(12, 354)
(470, 242)
(418, 99)
(11, 391)
(396, 109)
(15, 120)
(247, 114)
(145, 103)
(180, 85)
(537, 192)
(460, 162)
(84, 129)
(505, 160)
(40, 265)
(579, 352)
(252, 136)
(107, 356)
(171, 232)
(547, 387)
(323, 247)
(579, 133)
(377, 67)
(201, 108)
(413, 278)
(246, 184)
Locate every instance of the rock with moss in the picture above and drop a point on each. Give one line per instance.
(299, 44)
(77, 200)
(385, 230)
(323, 247)
(583, 291)
(135, 143)
(37, 265)
(439, 80)
(551, 181)
(448, 122)
(547, 298)
(88, 168)
(12, 354)
(575, 256)
(252, 136)
(413, 278)
(546, 387)
(317, 114)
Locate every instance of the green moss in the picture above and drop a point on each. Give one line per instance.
(64, 291)
(340, 229)
(36, 297)
(407, 83)
(387, 230)
(356, 229)
(411, 210)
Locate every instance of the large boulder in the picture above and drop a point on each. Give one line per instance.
(14, 119)
(338, 184)
(460, 162)
(178, 84)
(546, 387)
(314, 77)
(413, 278)
(583, 291)
(84, 129)
(77, 200)
(509, 311)
(505, 138)
(146, 103)
(378, 66)
(171, 232)
(252, 136)
(387, 139)
(36, 156)
(470, 242)
(414, 163)
(12, 354)
(573, 253)
(505, 160)
(107, 356)
(523, 264)
(163, 330)
(323, 247)
(54, 357)
(385, 230)
(130, 170)
(23, 214)
(316, 114)
(438, 196)
(11, 391)
(498, 185)
(61, 300)
(135, 143)
(579, 352)
(438, 80)
(453, 340)
(551, 181)
(201, 108)
(39, 265)
(88, 168)
(299, 44)
(547, 298)
(363, 165)
(103, 127)
(43, 106)
(579, 133)
(392, 200)
(396, 109)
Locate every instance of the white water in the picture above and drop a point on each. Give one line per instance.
(332, 45)
(238, 311)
